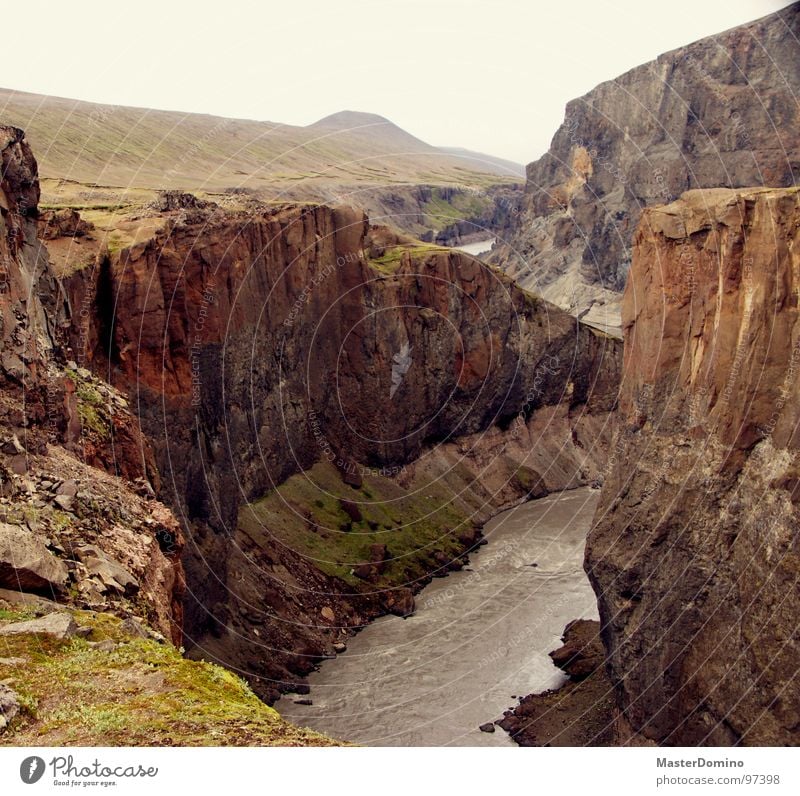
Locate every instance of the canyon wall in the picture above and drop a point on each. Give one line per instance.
(266, 350)
(449, 216)
(694, 550)
(721, 112)
(78, 518)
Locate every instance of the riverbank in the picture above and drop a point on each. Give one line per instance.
(581, 711)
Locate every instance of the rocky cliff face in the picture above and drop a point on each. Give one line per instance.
(721, 112)
(694, 550)
(78, 522)
(449, 216)
(267, 352)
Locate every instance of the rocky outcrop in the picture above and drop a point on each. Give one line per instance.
(65, 223)
(721, 112)
(259, 346)
(579, 713)
(693, 554)
(26, 563)
(75, 468)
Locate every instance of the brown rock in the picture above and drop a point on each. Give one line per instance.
(582, 652)
(351, 509)
(694, 555)
(401, 602)
(63, 223)
(26, 564)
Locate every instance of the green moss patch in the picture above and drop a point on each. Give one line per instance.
(392, 258)
(441, 212)
(306, 515)
(138, 693)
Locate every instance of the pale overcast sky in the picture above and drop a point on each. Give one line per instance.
(493, 75)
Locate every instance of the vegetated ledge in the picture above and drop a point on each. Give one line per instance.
(111, 684)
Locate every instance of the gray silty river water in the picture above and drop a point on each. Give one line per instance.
(478, 637)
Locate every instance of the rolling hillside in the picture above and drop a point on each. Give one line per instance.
(90, 153)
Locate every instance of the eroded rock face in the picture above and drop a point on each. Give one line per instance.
(257, 344)
(274, 339)
(57, 424)
(721, 112)
(693, 554)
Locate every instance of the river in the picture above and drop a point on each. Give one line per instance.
(479, 638)
(477, 248)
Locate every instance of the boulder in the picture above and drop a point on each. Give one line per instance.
(351, 509)
(114, 577)
(134, 628)
(582, 651)
(401, 602)
(9, 706)
(378, 556)
(57, 625)
(26, 564)
(366, 571)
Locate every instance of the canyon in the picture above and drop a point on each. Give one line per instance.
(326, 487)
(251, 404)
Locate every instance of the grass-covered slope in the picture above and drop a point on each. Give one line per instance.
(113, 689)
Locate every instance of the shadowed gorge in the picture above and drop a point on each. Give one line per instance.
(297, 317)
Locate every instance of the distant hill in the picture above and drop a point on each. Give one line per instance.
(480, 160)
(378, 130)
(129, 150)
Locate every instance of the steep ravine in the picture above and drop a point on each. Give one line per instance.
(334, 411)
(693, 554)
